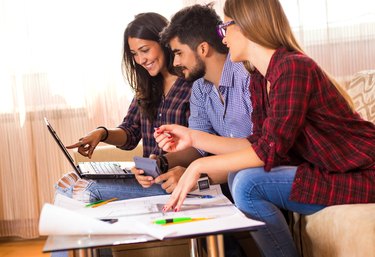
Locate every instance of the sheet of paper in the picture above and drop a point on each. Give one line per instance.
(68, 203)
(55, 220)
(154, 204)
(138, 216)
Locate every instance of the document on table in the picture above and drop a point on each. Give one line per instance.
(137, 216)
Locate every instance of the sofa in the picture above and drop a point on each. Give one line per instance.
(342, 230)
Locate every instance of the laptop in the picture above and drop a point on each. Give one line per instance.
(91, 170)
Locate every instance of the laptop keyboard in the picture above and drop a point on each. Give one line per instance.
(104, 168)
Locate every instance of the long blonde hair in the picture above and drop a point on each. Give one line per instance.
(265, 23)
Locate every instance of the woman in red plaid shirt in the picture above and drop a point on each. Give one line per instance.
(309, 148)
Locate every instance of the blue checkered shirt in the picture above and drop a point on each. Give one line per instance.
(231, 118)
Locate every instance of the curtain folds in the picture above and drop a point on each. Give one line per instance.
(62, 60)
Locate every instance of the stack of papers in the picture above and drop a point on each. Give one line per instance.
(137, 216)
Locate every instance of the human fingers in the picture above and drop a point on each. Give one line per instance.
(91, 150)
(168, 186)
(180, 201)
(167, 144)
(162, 177)
(187, 181)
(144, 181)
(177, 198)
(136, 171)
(161, 135)
(87, 147)
(167, 182)
(83, 148)
(165, 128)
(170, 178)
(172, 201)
(83, 152)
(75, 145)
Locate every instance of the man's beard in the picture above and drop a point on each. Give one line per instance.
(197, 72)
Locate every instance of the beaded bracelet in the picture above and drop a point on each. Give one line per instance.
(106, 133)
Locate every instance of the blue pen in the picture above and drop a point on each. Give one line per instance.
(199, 196)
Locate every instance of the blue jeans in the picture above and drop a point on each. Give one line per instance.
(261, 195)
(102, 189)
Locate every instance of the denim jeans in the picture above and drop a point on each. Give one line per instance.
(261, 195)
(102, 189)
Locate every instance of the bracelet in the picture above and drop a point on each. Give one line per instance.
(163, 163)
(106, 133)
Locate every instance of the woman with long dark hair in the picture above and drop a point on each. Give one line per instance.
(161, 97)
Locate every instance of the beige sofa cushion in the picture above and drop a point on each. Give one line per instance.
(109, 153)
(342, 230)
(362, 91)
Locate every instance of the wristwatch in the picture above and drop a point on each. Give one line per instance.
(203, 182)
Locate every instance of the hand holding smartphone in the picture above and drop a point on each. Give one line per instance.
(149, 166)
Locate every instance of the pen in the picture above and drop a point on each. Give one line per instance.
(199, 196)
(177, 220)
(104, 202)
(91, 204)
(110, 221)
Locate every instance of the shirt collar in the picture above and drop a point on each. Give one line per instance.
(277, 58)
(226, 79)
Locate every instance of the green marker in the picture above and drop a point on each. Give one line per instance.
(91, 204)
(176, 220)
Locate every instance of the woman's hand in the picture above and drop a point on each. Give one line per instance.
(187, 182)
(87, 144)
(172, 138)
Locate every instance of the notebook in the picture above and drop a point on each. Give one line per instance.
(91, 170)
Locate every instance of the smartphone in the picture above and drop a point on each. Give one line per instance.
(149, 166)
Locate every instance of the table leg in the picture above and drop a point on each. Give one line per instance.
(193, 245)
(86, 252)
(215, 246)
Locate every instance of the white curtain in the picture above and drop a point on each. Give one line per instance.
(338, 34)
(62, 60)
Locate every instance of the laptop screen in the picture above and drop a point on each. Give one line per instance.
(61, 145)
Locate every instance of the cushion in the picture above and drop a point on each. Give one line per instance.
(362, 91)
(339, 231)
(104, 153)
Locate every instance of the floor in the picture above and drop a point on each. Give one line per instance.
(22, 248)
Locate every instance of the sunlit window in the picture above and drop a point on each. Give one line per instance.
(56, 52)
(315, 16)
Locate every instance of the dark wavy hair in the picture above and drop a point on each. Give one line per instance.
(148, 89)
(193, 25)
